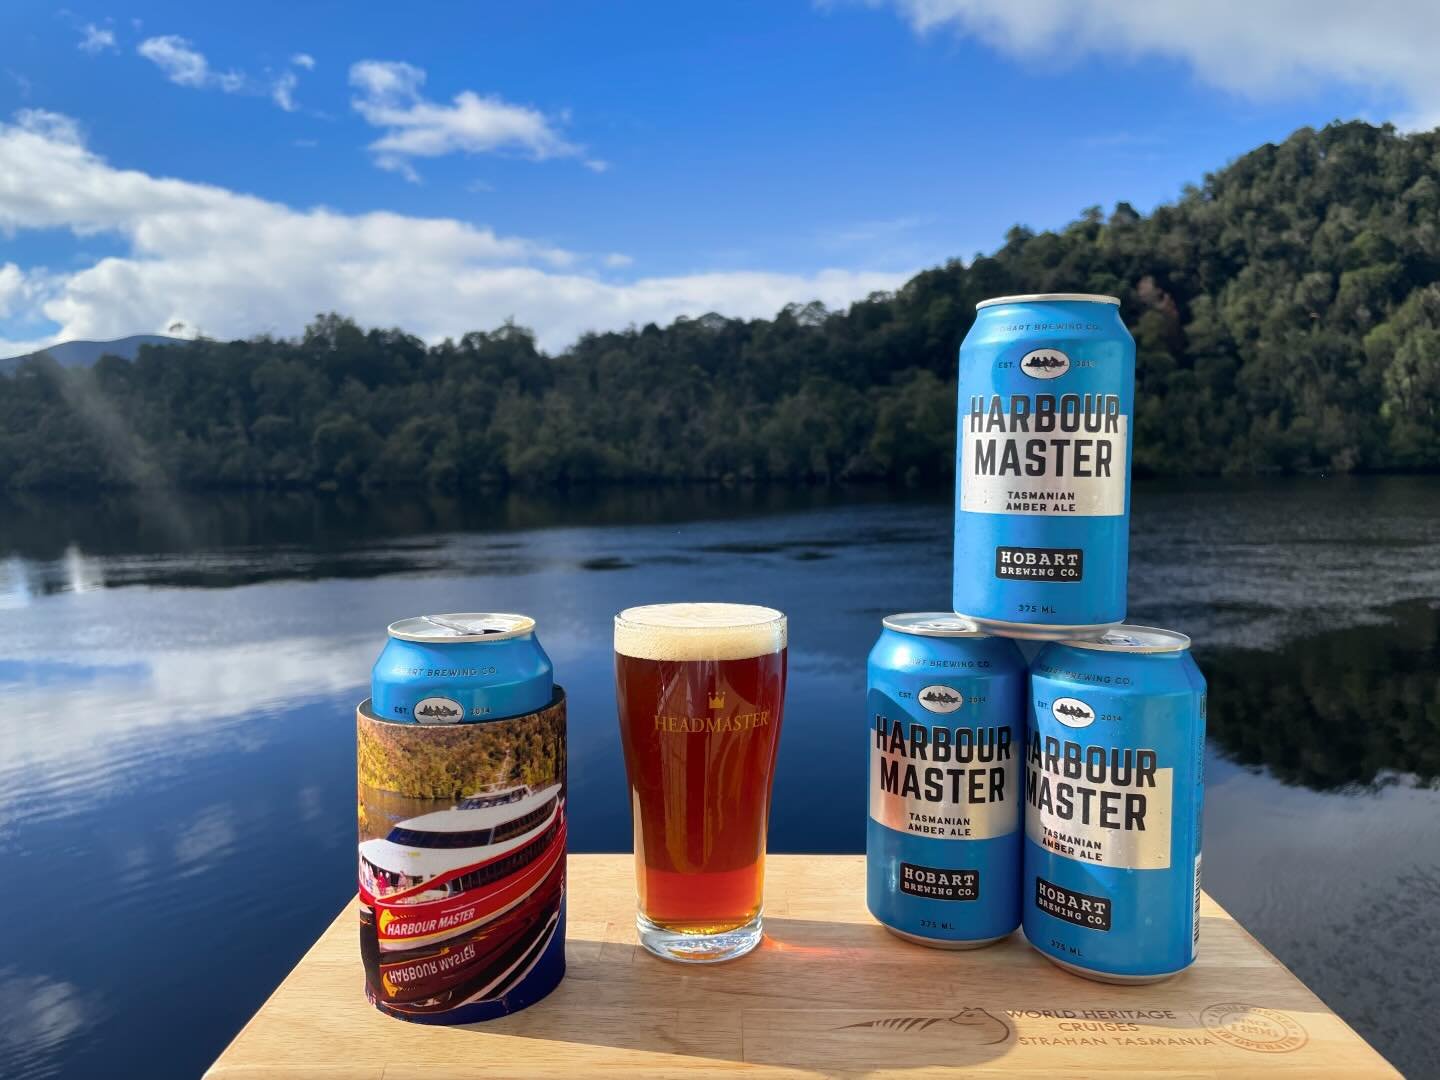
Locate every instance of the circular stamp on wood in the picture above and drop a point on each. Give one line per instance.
(1251, 1027)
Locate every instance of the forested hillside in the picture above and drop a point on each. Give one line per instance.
(1287, 313)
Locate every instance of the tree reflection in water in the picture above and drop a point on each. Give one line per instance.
(1341, 708)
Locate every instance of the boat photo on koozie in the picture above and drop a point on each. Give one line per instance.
(461, 864)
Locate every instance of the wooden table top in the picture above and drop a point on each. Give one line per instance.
(828, 993)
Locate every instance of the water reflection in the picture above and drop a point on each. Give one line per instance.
(1347, 706)
(1249, 563)
(82, 574)
(1257, 563)
(15, 588)
(1343, 890)
(74, 728)
(206, 841)
(42, 528)
(190, 743)
(225, 541)
(41, 1015)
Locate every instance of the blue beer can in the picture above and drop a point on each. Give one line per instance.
(455, 669)
(946, 726)
(1114, 799)
(1042, 466)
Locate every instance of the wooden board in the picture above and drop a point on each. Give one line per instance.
(828, 993)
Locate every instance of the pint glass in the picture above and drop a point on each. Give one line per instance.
(700, 690)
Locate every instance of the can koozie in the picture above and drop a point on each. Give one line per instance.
(462, 863)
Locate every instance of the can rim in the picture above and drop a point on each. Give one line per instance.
(489, 626)
(1130, 638)
(1028, 298)
(933, 624)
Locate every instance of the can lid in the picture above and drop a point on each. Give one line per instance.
(1133, 639)
(933, 624)
(1030, 298)
(466, 626)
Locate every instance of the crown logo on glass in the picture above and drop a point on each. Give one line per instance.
(717, 700)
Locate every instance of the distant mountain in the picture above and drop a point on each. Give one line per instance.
(85, 353)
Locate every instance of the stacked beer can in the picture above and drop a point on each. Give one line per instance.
(1063, 794)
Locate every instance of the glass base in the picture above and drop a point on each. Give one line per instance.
(700, 948)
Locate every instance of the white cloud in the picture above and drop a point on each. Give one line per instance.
(12, 283)
(869, 233)
(388, 97)
(96, 39)
(282, 87)
(1271, 49)
(21, 293)
(282, 91)
(186, 66)
(233, 264)
(52, 126)
(616, 260)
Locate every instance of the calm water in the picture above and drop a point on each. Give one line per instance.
(178, 678)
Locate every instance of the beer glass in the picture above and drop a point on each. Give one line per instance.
(700, 690)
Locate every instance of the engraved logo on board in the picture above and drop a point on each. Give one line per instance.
(980, 1028)
(1250, 1027)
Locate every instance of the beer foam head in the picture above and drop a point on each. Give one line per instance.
(699, 631)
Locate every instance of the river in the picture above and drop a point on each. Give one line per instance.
(178, 676)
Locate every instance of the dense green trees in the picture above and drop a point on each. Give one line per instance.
(1287, 315)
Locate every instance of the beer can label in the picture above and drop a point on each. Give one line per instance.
(462, 864)
(1093, 801)
(1113, 794)
(1044, 454)
(931, 779)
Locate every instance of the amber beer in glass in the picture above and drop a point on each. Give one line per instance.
(700, 690)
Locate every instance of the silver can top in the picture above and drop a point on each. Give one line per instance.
(466, 626)
(1031, 298)
(1133, 639)
(933, 624)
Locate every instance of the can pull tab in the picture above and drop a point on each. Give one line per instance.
(454, 627)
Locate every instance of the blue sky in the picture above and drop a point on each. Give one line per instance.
(235, 168)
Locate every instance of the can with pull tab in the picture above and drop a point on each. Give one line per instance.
(458, 669)
(945, 721)
(1114, 800)
(1042, 471)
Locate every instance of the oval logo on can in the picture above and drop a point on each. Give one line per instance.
(438, 710)
(1045, 363)
(1072, 712)
(941, 699)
